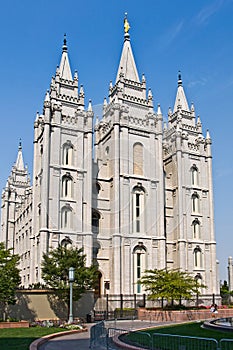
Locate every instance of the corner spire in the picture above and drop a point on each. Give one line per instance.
(127, 66)
(64, 67)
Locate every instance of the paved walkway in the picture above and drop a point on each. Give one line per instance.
(75, 341)
(81, 341)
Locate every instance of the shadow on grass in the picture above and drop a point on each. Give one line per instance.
(24, 343)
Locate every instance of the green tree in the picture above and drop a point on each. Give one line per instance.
(225, 293)
(9, 277)
(55, 272)
(170, 285)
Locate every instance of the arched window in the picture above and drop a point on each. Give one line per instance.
(67, 158)
(95, 221)
(194, 175)
(66, 242)
(66, 217)
(138, 209)
(139, 266)
(138, 159)
(196, 228)
(198, 257)
(67, 186)
(195, 203)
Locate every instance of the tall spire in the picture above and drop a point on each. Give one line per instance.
(19, 162)
(127, 64)
(181, 101)
(64, 67)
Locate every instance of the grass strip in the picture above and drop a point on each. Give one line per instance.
(21, 338)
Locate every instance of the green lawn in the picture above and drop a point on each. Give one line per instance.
(187, 329)
(21, 338)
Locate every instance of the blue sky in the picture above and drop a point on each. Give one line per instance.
(167, 36)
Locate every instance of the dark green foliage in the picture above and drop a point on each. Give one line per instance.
(55, 272)
(170, 284)
(9, 275)
(225, 293)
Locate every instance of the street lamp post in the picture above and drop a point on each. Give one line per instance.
(71, 280)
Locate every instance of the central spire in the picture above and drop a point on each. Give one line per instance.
(127, 64)
(19, 162)
(64, 67)
(181, 101)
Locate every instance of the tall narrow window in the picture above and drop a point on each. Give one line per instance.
(198, 257)
(95, 221)
(139, 263)
(68, 153)
(66, 218)
(196, 229)
(194, 175)
(138, 159)
(195, 203)
(67, 186)
(138, 209)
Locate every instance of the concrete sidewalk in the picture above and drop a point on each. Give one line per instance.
(74, 341)
(81, 341)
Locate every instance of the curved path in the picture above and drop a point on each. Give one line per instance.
(72, 341)
(81, 341)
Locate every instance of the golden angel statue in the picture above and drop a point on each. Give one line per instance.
(126, 24)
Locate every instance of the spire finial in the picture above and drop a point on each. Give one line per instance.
(179, 79)
(64, 47)
(126, 23)
(126, 26)
(20, 144)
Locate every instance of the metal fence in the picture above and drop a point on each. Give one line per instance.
(103, 338)
(177, 342)
(226, 344)
(99, 336)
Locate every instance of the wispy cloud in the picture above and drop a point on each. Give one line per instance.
(208, 11)
(193, 83)
(167, 38)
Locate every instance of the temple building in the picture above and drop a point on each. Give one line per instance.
(142, 199)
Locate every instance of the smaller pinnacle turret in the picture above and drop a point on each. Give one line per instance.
(208, 135)
(159, 112)
(81, 91)
(89, 108)
(198, 121)
(150, 95)
(75, 75)
(47, 98)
